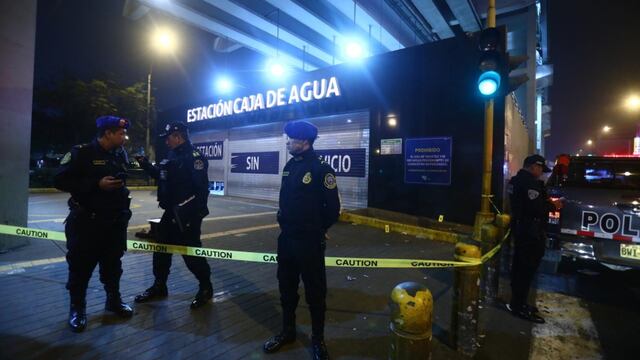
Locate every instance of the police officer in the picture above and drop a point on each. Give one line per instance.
(530, 206)
(309, 205)
(183, 191)
(96, 228)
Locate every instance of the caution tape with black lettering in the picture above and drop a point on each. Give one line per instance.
(223, 254)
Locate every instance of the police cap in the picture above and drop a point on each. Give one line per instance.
(537, 159)
(301, 130)
(173, 127)
(110, 121)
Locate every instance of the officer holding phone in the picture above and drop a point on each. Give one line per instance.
(183, 191)
(96, 228)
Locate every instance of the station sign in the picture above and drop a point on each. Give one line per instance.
(298, 93)
(345, 162)
(255, 162)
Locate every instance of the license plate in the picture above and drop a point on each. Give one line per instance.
(630, 251)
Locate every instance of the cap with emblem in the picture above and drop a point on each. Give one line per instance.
(173, 127)
(301, 130)
(538, 160)
(110, 121)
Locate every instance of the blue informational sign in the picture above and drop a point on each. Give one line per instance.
(345, 162)
(216, 188)
(211, 150)
(255, 162)
(428, 161)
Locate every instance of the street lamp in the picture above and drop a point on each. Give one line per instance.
(589, 142)
(162, 42)
(606, 129)
(632, 103)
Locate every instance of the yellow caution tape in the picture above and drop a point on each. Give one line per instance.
(224, 254)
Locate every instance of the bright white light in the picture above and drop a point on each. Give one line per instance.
(224, 85)
(392, 122)
(633, 103)
(354, 49)
(163, 40)
(589, 142)
(626, 173)
(276, 69)
(606, 128)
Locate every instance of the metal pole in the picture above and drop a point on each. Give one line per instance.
(147, 148)
(466, 296)
(485, 215)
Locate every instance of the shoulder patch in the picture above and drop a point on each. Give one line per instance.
(66, 158)
(196, 153)
(198, 164)
(330, 181)
(533, 194)
(307, 178)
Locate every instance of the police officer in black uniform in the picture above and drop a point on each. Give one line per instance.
(183, 191)
(530, 206)
(309, 205)
(96, 228)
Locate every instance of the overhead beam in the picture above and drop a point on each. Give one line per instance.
(465, 15)
(193, 18)
(364, 20)
(431, 13)
(271, 29)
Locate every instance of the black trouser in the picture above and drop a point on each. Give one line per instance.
(92, 241)
(529, 246)
(169, 233)
(302, 255)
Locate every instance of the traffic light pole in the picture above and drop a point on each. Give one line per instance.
(485, 215)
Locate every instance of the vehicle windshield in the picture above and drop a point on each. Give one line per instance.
(612, 174)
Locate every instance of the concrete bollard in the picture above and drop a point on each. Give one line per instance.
(411, 318)
(492, 270)
(466, 294)
(491, 273)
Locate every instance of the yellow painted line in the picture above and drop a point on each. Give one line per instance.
(218, 218)
(28, 264)
(430, 234)
(57, 220)
(238, 231)
(46, 215)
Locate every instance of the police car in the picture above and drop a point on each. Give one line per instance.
(600, 219)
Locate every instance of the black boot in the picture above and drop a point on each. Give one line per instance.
(319, 350)
(115, 305)
(205, 293)
(287, 336)
(156, 291)
(77, 318)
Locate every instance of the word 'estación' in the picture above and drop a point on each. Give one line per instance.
(308, 91)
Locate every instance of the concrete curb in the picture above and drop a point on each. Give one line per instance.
(54, 190)
(429, 234)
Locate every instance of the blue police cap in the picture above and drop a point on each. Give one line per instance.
(177, 126)
(301, 130)
(110, 121)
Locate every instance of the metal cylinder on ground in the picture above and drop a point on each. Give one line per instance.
(411, 319)
(466, 295)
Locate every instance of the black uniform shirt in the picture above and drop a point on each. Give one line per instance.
(309, 199)
(182, 176)
(529, 200)
(81, 171)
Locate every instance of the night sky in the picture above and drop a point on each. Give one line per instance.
(595, 51)
(595, 66)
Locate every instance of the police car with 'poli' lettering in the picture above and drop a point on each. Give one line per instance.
(600, 219)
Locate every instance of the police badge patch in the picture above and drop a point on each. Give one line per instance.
(198, 164)
(66, 158)
(330, 181)
(533, 194)
(307, 178)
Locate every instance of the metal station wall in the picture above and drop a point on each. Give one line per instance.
(249, 160)
(343, 142)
